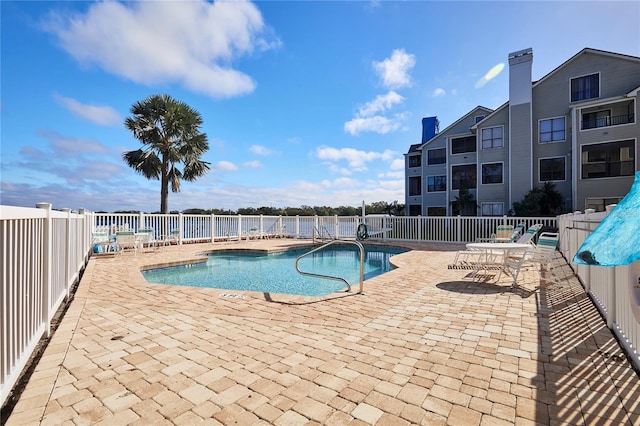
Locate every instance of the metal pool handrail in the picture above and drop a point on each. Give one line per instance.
(311, 274)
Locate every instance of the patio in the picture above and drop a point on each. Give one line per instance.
(423, 345)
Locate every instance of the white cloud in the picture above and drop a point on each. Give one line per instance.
(438, 92)
(380, 104)
(189, 43)
(260, 150)
(356, 158)
(379, 124)
(102, 115)
(392, 175)
(397, 164)
(252, 164)
(394, 71)
(225, 166)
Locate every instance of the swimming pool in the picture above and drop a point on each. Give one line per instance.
(276, 273)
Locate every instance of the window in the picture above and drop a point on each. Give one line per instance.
(492, 137)
(492, 209)
(464, 144)
(463, 176)
(436, 211)
(608, 159)
(436, 183)
(414, 160)
(491, 173)
(552, 130)
(414, 186)
(585, 87)
(415, 210)
(552, 169)
(436, 156)
(478, 118)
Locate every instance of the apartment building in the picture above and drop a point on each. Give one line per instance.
(576, 127)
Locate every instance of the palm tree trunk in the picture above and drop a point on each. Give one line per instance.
(164, 190)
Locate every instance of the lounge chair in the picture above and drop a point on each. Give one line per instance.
(503, 234)
(528, 237)
(101, 242)
(126, 240)
(540, 255)
(146, 238)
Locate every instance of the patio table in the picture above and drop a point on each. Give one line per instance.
(489, 249)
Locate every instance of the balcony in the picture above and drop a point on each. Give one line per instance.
(607, 121)
(607, 115)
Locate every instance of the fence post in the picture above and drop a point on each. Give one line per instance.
(611, 308)
(458, 229)
(297, 226)
(180, 227)
(239, 227)
(213, 228)
(67, 249)
(336, 227)
(46, 266)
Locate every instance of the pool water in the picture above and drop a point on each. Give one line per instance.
(276, 273)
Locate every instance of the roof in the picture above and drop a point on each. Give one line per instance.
(474, 110)
(587, 50)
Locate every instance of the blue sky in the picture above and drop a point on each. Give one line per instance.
(304, 103)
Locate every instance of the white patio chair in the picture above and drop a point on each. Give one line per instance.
(539, 256)
(126, 240)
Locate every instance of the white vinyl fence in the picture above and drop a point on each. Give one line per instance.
(44, 251)
(614, 290)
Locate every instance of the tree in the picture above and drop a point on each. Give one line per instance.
(540, 201)
(464, 202)
(169, 131)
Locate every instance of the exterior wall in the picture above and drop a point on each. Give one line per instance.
(550, 101)
(433, 199)
(494, 193)
(521, 167)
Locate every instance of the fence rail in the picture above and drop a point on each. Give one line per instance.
(44, 252)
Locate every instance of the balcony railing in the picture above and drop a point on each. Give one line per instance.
(608, 121)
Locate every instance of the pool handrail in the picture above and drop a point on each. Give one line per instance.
(311, 274)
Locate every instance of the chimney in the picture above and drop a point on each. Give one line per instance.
(521, 170)
(520, 76)
(430, 128)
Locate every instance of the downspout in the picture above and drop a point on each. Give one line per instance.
(574, 159)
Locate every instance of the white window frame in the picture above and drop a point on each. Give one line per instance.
(427, 183)
(492, 203)
(552, 158)
(551, 119)
(437, 164)
(451, 138)
(419, 186)
(580, 164)
(450, 182)
(436, 207)
(586, 75)
(492, 162)
(492, 139)
(414, 156)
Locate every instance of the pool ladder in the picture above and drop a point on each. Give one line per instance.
(329, 277)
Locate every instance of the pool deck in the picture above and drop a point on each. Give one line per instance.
(423, 345)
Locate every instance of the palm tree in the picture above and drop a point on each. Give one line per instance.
(169, 131)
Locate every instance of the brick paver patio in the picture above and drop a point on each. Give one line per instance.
(423, 345)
